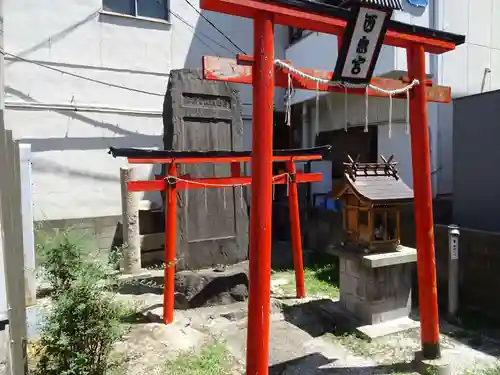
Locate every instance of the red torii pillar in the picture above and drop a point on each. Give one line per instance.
(259, 294)
(417, 41)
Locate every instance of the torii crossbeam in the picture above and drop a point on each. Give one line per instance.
(239, 70)
(322, 16)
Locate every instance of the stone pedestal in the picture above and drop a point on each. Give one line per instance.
(376, 288)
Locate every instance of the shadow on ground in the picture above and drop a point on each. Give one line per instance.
(319, 317)
(313, 364)
(471, 332)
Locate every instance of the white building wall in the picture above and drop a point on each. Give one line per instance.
(73, 175)
(399, 144)
(315, 51)
(333, 114)
(472, 68)
(414, 16)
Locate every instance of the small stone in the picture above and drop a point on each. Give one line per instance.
(180, 301)
(279, 282)
(235, 315)
(220, 268)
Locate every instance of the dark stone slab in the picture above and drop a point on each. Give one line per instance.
(213, 287)
(201, 115)
(193, 289)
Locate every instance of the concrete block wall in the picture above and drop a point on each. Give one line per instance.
(479, 261)
(98, 235)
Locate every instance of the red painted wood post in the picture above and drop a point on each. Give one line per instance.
(235, 169)
(293, 203)
(261, 204)
(170, 246)
(422, 186)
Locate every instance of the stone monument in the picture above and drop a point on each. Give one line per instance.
(200, 115)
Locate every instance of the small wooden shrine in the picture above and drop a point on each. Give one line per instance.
(372, 194)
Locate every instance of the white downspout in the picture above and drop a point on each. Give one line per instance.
(435, 63)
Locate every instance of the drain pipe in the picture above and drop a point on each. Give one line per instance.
(434, 62)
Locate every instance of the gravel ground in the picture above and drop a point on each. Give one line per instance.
(304, 348)
(308, 350)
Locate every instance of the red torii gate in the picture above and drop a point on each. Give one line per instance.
(264, 76)
(172, 183)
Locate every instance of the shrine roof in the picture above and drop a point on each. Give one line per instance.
(337, 9)
(174, 154)
(378, 183)
(388, 4)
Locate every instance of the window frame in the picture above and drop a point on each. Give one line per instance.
(296, 34)
(167, 18)
(363, 217)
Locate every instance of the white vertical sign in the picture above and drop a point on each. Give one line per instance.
(364, 41)
(454, 248)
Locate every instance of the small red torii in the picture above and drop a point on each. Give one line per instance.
(172, 183)
(261, 72)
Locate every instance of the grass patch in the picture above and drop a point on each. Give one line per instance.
(320, 280)
(117, 364)
(492, 370)
(398, 350)
(213, 359)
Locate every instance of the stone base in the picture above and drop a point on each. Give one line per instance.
(375, 331)
(193, 289)
(431, 367)
(376, 288)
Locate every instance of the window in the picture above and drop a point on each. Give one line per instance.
(385, 225)
(139, 8)
(363, 218)
(392, 226)
(379, 226)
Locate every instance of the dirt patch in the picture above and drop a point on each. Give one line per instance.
(146, 347)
